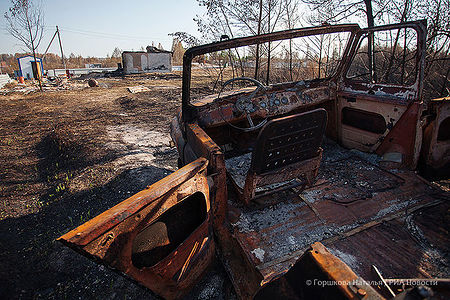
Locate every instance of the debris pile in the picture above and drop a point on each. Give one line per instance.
(31, 86)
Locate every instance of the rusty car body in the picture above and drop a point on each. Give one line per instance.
(307, 209)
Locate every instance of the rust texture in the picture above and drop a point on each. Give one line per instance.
(204, 146)
(363, 212)
(275, 102)
(334, 269)
(402, 138)
(350, 196)
(109, 237)
(407, 257)
(287, 140)
(436, 146)
(286, 148)
(189, 111)
(105, 221)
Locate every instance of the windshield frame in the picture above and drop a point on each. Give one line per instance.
(189, 110)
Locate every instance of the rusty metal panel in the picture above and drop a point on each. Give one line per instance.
(105, 221)
(405, 136)
(354, 136)
(288, 140)
(204, 146)
(275, 102)
(156, 222)
(436, 146)
(351, 195)
(335, 269)
(415, 247)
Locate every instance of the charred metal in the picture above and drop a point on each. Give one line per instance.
(293, 184)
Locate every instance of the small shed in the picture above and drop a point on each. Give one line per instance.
(25, 67)
(154, 60)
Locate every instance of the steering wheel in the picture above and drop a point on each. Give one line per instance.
(245, 105)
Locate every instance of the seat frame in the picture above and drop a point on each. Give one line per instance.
(286, 148)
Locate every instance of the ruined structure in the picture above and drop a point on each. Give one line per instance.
(154, 60)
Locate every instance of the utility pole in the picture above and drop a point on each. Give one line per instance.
(60, 46)
(48, 47)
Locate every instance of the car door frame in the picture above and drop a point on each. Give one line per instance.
(108, 238)
(402, 104)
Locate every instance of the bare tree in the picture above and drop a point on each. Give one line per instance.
(291, 19)
(437, 13)
(257, 45)
(26, 23)
(186, 38)
(236, 18)
(117, 53)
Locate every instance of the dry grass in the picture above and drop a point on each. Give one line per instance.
(60, 165)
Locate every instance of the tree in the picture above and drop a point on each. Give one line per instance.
(178, 51)
(236, 18)
(381, 12)
(25, 22)
(117, 53)
(186, 38)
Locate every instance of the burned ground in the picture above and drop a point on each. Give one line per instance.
(66, 156)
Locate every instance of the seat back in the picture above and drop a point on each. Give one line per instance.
(288, 140)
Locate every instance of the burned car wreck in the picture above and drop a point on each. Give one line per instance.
(305, 179)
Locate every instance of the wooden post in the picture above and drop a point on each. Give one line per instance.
(60, 47)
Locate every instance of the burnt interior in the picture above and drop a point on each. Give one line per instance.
(365, 120)
(300, 282)
(352, 190)
(444, 130)
(289, 140)
(161, 237)
(270, 106)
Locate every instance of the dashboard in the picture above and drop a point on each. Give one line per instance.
(276, 100)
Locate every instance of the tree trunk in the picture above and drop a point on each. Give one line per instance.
(370, 46)
(257, 45)
(34, 50)
(391, 60)
(268, 50)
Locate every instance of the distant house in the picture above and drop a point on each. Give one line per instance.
(25, 67)
(92, 66)
(154, 60)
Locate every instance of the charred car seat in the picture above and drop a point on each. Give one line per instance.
(287, 154)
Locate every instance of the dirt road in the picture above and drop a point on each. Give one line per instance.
(65, 157)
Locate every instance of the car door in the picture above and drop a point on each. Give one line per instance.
(161, 237)
(436, 141)
(379, 98)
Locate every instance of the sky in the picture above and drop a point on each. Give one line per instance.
(96, 27)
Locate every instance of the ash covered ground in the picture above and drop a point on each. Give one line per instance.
(68, 155)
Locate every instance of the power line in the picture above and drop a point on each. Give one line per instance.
(110, 35)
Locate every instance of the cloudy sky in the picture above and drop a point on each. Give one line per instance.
(96, 27)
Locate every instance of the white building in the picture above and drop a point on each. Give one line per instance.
(25, 66)
(154, 60)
